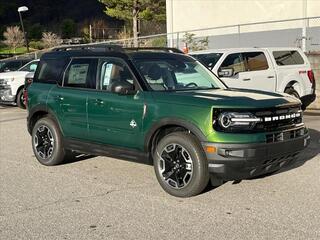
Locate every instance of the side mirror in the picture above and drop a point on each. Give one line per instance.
(122, 88)
(226, 72)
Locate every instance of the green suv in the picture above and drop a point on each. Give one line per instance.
(162, 107)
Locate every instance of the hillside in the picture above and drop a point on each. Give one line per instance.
(49, 14)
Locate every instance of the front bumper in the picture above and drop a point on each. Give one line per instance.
(307, 100)
(6, 96)
(242, 161)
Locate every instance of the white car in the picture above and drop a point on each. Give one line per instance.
(284, 70)
(11, 84)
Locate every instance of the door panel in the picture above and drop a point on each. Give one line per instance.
(70, 100)
(252, 71)
(113, 118)
(70, 106)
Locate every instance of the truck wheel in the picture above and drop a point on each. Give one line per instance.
(20, 99)
(180, 165)
(47, 142)
(292, 92)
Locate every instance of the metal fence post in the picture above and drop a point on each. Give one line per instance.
(239, 37)
(177, 45)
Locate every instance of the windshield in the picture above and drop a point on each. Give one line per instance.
(177, 74)
(30, 67)
(208, 59)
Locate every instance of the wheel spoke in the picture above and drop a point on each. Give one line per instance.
(43, 142)
(175, 165)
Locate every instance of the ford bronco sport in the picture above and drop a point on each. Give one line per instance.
(160, 106)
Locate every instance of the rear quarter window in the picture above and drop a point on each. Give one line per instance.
(50, 71)
(284, 58)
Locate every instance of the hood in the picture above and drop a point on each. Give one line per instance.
(227, 98)
(13, 74)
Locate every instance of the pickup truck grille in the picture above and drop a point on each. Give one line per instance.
(278, 119)
(2, 84)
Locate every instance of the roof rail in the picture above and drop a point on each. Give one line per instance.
(163, 49)
(100, 46)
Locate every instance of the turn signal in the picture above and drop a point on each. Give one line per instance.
(210, 149)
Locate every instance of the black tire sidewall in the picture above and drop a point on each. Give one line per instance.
(292, 92)
(58, 152)
(200, 175)
(20, 103)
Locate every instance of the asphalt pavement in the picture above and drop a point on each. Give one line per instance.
(106, 198)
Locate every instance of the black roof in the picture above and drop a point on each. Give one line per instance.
(103, 50)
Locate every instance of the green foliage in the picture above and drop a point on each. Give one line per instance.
(146, 9)
(35, 31)
(68, 28)
(157, 42)
(195, 45)
(36, 45)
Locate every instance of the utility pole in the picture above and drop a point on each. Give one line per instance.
(304, 28)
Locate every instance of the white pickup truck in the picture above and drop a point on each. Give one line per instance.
(284, 70)
(11, 84)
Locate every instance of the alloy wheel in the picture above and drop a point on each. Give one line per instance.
(44, 142)
(176, 166)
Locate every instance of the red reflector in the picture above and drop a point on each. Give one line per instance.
(311, 76)
(25, 96)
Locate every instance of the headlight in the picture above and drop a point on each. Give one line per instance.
(236, 120)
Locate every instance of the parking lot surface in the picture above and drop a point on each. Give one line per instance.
(106, 198)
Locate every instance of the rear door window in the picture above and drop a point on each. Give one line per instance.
(255, 61)
(284, 58)
(80, 74)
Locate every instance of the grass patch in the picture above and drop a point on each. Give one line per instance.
(19, 50)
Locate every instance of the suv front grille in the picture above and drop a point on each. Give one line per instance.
(278, 119)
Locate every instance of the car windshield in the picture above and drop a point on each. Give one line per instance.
(174, 74)
(208, 59)
(29, 67)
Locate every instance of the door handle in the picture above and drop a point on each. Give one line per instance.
(246, 79)
(98, 101)
(270, 76)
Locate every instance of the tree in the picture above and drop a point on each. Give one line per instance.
(13, 37)
(195, 45)
(50, 39)
(134, 10)
(68, 28)
(35, 31)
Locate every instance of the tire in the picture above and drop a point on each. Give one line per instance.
(20, 99)
(185, 182)
(47, 142)
(292, 92)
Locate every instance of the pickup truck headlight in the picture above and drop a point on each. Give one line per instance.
(237, 120)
